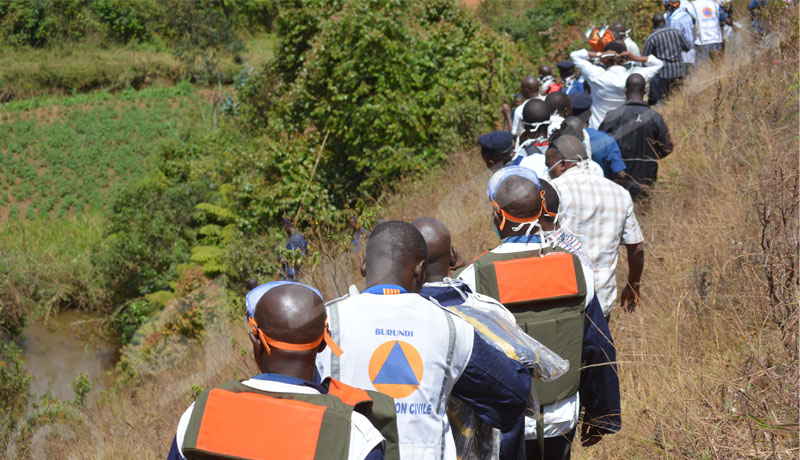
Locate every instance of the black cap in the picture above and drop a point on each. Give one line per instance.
(565, 65)
(496, 143)
(580, 102)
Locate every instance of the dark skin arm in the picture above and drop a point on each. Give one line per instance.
(630, 294)
(505, 111)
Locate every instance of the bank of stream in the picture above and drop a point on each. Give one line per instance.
(58, 349)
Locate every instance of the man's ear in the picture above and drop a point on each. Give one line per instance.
(258, 349)
(363, 267)
(420, 273)
(453, 256)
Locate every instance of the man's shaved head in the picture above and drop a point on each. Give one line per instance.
(575, 124)
(519, 197)
(436, 236)
(561, 102)
(529, 87)
(545, 70)
(291, 313)
(569, 148)
(634, 84)
(658, 20)
(396, 254)
(618, 29)
(536, 111)
(440, 252)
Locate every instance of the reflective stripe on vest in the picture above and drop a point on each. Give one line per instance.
(547, 296)
(234, 421)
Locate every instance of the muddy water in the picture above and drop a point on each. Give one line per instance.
(57, 350)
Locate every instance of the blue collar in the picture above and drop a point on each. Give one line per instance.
(315, 382)
(523, 239)
(385, 289)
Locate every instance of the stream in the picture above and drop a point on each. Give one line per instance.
(57, 350)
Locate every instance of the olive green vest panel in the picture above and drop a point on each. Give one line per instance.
(383, 415)
(333, 442)
(555, 322)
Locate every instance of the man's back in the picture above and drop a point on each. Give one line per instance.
(667, 44)
(706, 16)
(412, 350)
(600, 214)
(228, 412)
(642, 137)
(608, 85)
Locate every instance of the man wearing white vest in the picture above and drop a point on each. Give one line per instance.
(400, 344)
(708, 39)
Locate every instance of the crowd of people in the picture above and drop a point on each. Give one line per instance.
(369, 375)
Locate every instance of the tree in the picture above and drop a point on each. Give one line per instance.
(203, 31)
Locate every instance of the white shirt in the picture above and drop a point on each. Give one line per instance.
(364, 437)
(516, 119)
(608, 85)
(632, 46)
(600, 214)
(561, 416)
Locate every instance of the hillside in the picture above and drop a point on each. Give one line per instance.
(708, 364)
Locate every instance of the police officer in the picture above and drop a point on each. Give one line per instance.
(401, 344)
(287, 412)
(497, 149)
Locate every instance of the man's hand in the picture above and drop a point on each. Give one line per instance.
(590, 435)
(630, 297)
(505, 109)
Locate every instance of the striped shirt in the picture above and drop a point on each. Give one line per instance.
(600, 214)
(681, 19)
(666, 44)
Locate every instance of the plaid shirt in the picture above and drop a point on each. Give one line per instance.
(600, 214)
(666, 44)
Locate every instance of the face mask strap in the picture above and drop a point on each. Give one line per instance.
(267, 341)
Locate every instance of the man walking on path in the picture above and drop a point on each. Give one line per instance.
(600, 213)
(401, 344)
(607, 81)
(642, 136)
(678, 17)
(666, 44)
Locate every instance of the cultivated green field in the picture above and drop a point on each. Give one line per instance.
(67, 155)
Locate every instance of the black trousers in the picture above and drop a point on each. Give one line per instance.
(557, 448)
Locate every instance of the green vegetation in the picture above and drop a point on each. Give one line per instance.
(68, 158)
(550, 29)
(318, 136)
(43, 23)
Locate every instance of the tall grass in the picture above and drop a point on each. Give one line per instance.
(708, 364)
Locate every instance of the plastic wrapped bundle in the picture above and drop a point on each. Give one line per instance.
(498, 327)
(474, 439)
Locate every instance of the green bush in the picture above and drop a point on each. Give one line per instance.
(14, 391)
(147, 235)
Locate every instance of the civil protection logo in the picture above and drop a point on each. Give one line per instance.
(707, 12)
(395, 369)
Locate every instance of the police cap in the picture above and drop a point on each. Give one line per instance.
(496, 143)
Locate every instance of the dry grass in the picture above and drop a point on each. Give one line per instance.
(708, 365)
